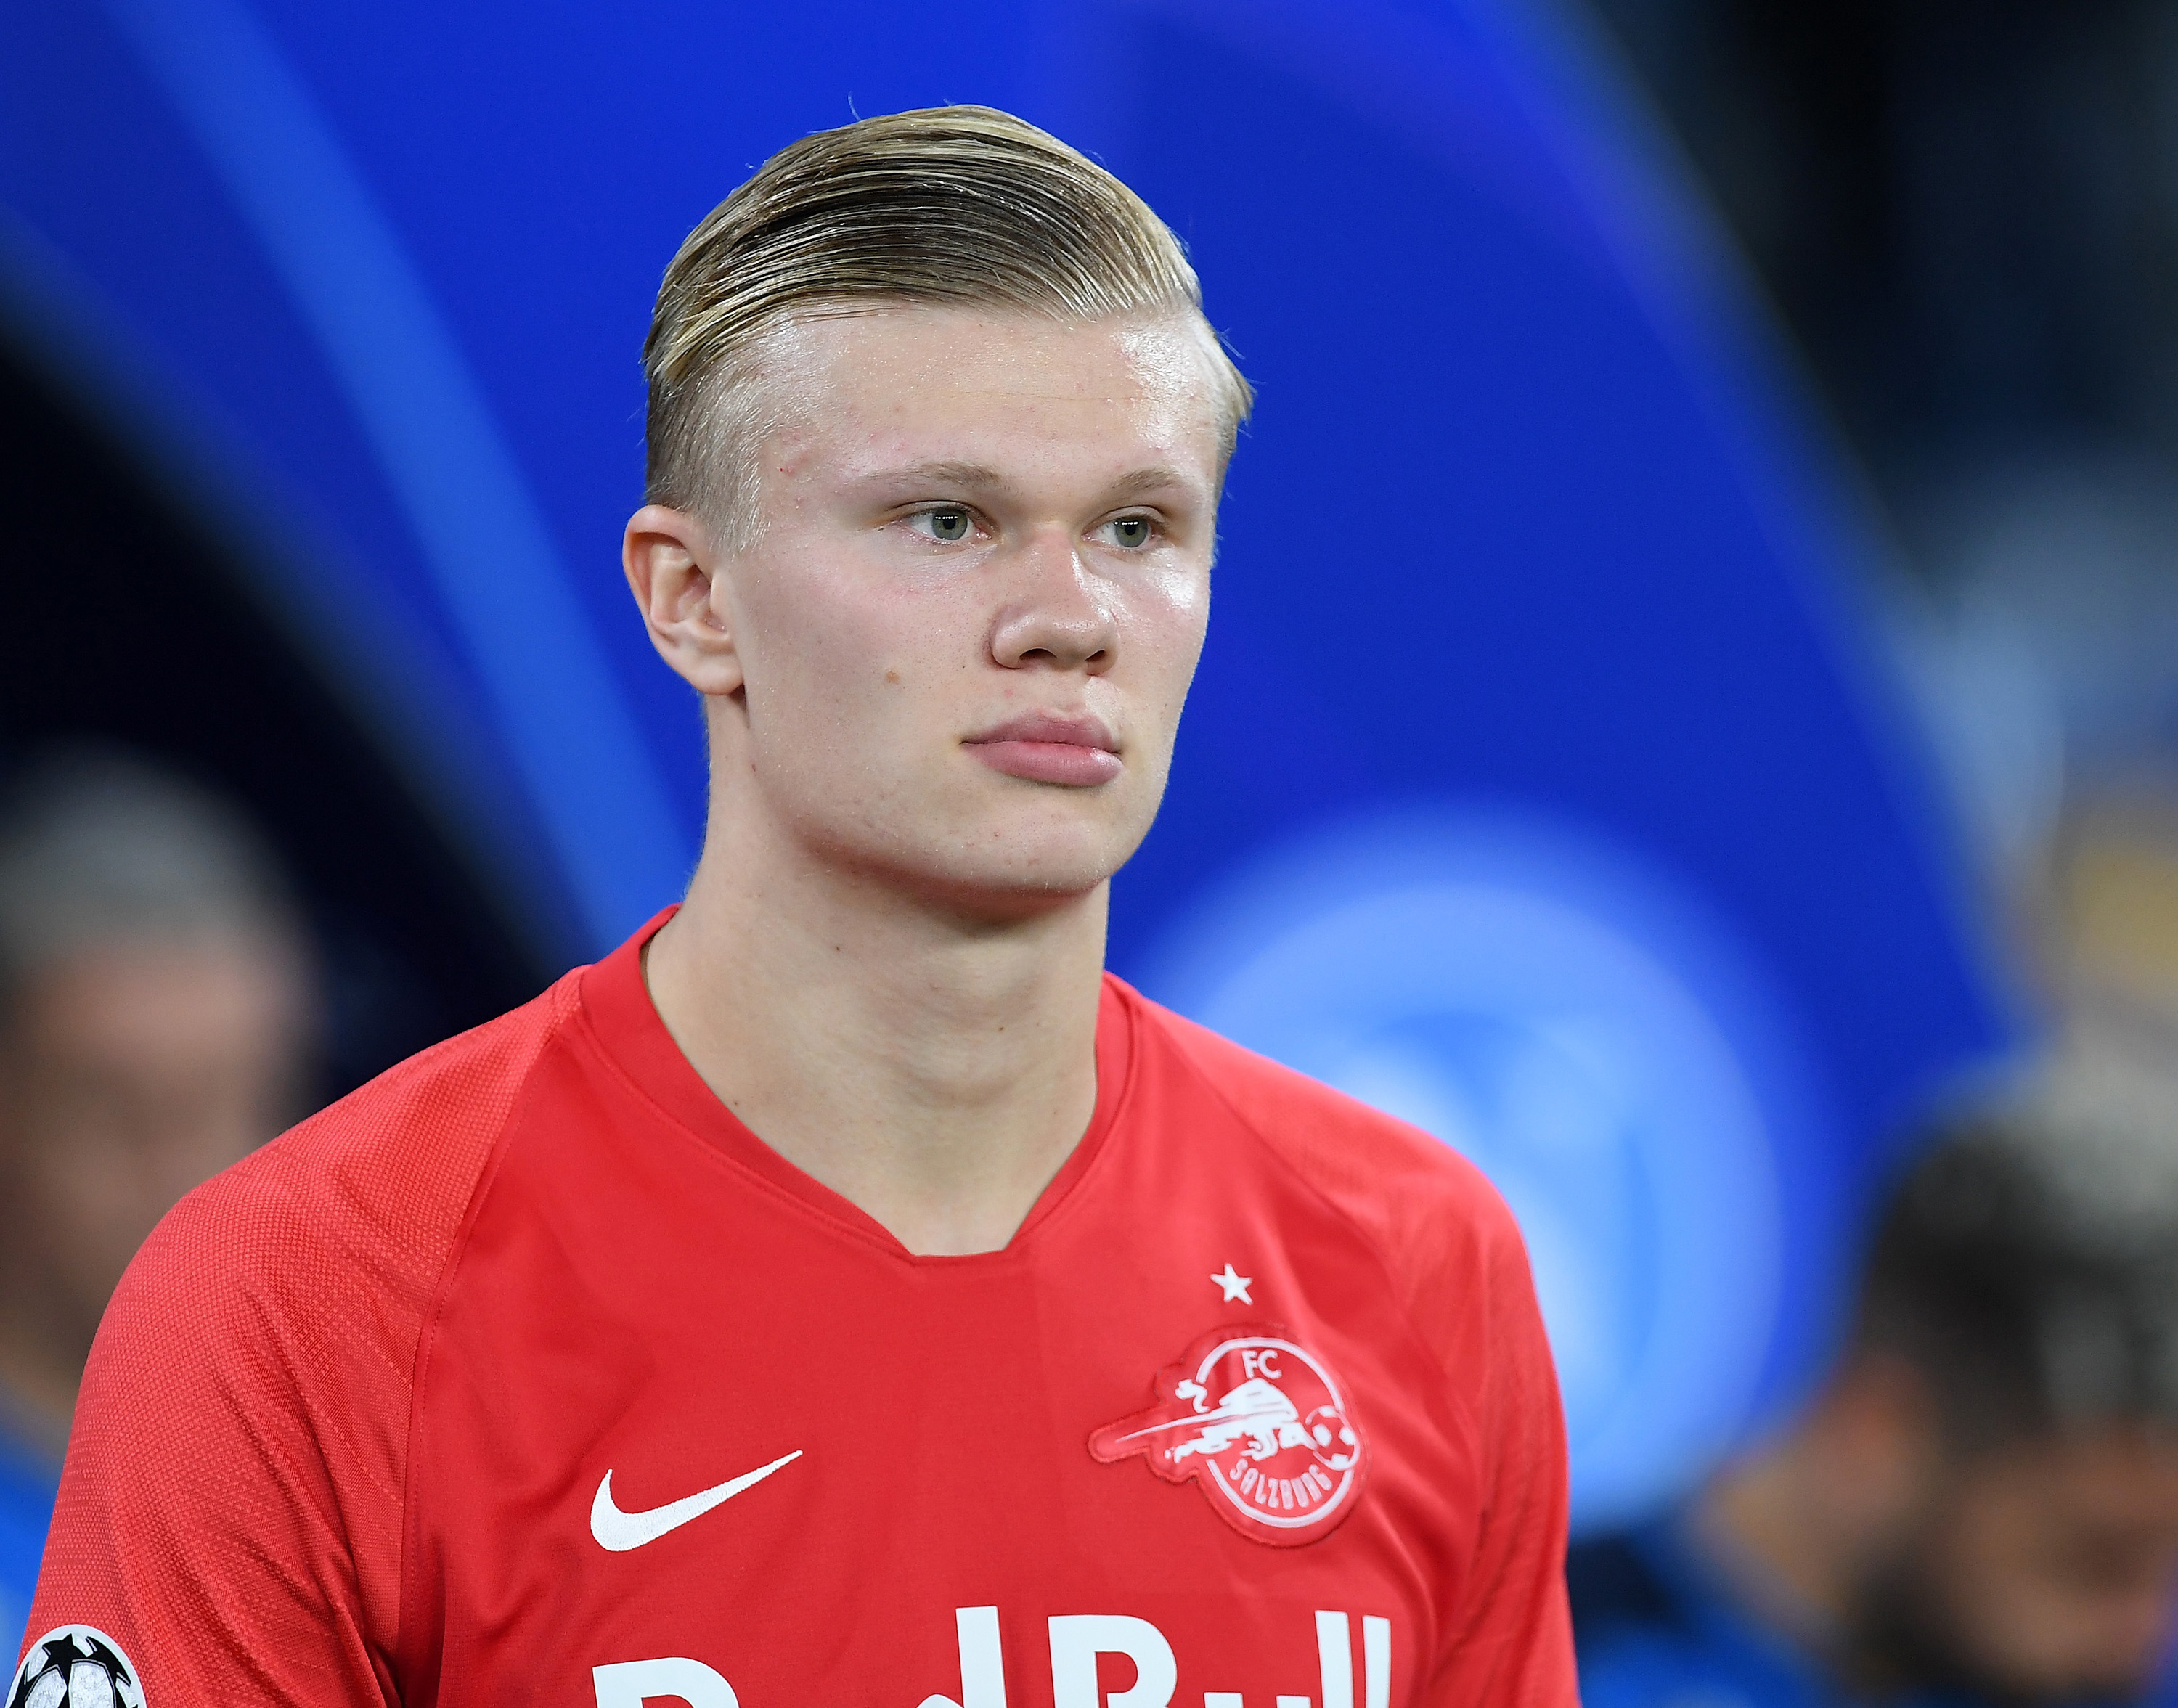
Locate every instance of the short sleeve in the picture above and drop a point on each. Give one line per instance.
(231, 1507)
(1513, 1648)
(1455, 1255)
(211, 1497)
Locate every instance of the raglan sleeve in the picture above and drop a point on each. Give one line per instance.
(1512, 1645)
(228, 1515)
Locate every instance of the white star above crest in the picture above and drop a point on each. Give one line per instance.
(1235, 1286)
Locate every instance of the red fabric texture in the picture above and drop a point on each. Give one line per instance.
(1461, 1270)
(346, 1421)
(232, 1501)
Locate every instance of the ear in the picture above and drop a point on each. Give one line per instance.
(671, 567)
(1879, 1423)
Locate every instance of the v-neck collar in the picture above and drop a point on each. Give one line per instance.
(625, 1025)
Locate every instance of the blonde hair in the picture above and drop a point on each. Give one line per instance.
(960, 207)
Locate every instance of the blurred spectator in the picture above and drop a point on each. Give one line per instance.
(2108, 910)
(157, 1012)
(1982, 1505)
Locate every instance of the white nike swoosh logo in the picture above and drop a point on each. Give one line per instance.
(618, 1531)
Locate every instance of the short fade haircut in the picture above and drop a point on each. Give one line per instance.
(2027, 1264)
(98, 847)
(949, 206)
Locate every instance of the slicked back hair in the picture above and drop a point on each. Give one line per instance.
(950, 206)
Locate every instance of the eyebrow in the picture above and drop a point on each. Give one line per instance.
(945, 474)
(1150, 479)
(1131, 484)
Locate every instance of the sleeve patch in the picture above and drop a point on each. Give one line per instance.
(78, 1665)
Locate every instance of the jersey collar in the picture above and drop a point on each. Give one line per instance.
(625, 1024)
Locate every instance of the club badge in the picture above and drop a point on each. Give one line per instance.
(1261, 1424)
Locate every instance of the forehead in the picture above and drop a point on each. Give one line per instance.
(880, 383)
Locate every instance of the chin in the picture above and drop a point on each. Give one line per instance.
(1002, 860)
(1005, 887)
(1005, 876)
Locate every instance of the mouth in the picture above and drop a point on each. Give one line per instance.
(1074, 752)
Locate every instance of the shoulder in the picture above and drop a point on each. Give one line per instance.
(249, 1397)
(1404, 1188)
(367, 1193)
(1453, 1253)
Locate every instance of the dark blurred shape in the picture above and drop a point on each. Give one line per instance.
(221, 903)
(157, 1016)
(1983, 1503)
(1965, 211)
(158, 1012)
(129, 612)
(1962, 207)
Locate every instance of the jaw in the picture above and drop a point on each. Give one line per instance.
(1000, 867)
(943, 831)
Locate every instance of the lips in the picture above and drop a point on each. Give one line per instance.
(1075, 752)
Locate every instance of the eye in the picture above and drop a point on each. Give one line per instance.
(949, 524)
(1131, 532)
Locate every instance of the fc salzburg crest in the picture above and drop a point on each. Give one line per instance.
(1261, 1424)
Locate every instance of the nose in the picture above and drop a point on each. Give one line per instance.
(1057, 615)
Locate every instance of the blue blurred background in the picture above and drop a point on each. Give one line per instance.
(1627, 702)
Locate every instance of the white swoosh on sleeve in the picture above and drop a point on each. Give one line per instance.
(617, 1531)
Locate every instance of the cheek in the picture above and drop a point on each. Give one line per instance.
(2018, 1609)
(1166, 619)
(820, 636)
(846, 668)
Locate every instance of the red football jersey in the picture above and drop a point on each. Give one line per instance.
(527, 1374)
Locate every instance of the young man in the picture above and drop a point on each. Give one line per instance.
(844, 1293)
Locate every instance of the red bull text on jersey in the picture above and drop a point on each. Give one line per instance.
(528, 1374)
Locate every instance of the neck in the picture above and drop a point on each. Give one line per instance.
(39, 1373)
(934, 1067)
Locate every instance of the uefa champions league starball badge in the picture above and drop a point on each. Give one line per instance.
(1261, 1424)
(77, 1666)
